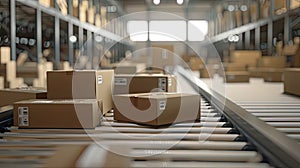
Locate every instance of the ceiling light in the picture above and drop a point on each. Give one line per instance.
(156, 2)
(180, 2)
(73, 39)
(244, 8)
(230, 8)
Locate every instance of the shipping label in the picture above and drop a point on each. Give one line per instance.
(121, 81)
(23, 116)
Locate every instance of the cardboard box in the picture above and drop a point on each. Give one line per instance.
(47, 3)
(255, 72)
(292, 81)
(157, 108)
(254, 11)
(10, 96)
(8, 71)
(208, 71)
(272, 62)
(238, 18)
(81, 84)
(248, 57)
(273, 75)
(234, 67)
(37, 113)
(195, 63)
(1, 82)
(4, 55)
(144, 83)
(237, 77)
(129, 68)
(89, 155)
(245, 17)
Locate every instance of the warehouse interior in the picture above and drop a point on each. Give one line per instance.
(150, 83)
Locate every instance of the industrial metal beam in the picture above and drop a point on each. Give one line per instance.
(75, 21)
(250, 26)
(70, 44)
(12, 6)
(247, 39)
(270, 37)
(38, 35)
(257, 38)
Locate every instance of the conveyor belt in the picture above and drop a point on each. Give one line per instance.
(284, 116)
(221, 145)
(215, 141)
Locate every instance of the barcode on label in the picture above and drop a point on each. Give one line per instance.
(162, 105)
(162, 84)
(100, 79)
(120, 81)
(23, 116)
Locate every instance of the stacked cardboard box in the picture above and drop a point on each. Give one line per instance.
(248, 57)
(236, 77)
(10, 96)
(273, 74)
(86, 84)
(272, 62)
(195, 63)
(129, 68)
(208, 71)
(269, 68)
(234, 67)
(76, 99)
(57, 113)
(157, 108)
(292, 81)
(144, 83)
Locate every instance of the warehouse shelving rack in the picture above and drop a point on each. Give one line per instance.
(245, 30)
(109, 35)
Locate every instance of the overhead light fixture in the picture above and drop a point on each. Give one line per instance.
(156, 2)
(98, 39)
(73, 39)
(179, 2)
(230, 8)
(244, 8)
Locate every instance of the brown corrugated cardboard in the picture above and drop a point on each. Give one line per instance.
(39, 113)
(157, 108)
(195, 63)
(4, 55)
(208, 71)
(47, 3)
(236, 77)
(81, 84)
(249, 57)
(144, 83)
(234, 67)
(292, 81)
(255, 72)
(89, 155)
(10, 96)
(129, 68)
(273, 74)
(272, 62)
(8, 71)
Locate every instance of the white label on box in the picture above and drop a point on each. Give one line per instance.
(23, 116)
(162, 84)
(99, 79)
(164, 54)
(169, 82)
(231, 77)
(162, 105)
(120, 81)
